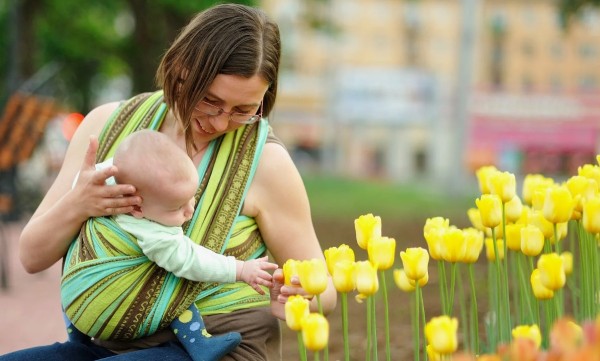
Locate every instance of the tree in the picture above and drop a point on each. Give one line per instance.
(569, 9)
(98, 40)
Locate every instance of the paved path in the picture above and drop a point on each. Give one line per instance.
(30, 307)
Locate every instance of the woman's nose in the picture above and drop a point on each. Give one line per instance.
(220, 122)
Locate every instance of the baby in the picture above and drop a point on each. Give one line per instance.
(167, 180)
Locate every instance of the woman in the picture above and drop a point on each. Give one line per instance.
(219, 79)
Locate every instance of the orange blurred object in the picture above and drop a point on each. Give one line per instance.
(70, 124)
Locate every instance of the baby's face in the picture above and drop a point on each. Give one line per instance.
(173, 206)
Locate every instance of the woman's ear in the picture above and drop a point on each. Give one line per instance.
(137, 212)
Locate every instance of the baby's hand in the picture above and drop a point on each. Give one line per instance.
(254, 272)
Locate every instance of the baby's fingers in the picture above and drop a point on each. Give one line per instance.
(268, 266)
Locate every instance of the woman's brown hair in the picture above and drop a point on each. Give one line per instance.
(229, 39)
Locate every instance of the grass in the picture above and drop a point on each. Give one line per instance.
(348, 198)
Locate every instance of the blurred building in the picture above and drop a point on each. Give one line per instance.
(417, 89)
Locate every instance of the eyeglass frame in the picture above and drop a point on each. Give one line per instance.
(253, 118)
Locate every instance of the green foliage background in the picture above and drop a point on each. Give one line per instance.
(81, 37)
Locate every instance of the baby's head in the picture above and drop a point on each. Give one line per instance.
(162, 173)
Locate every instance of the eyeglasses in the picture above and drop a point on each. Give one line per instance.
(215, 111)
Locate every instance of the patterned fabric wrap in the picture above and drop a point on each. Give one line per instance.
(109, 288)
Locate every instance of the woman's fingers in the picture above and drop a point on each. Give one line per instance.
(89, 161)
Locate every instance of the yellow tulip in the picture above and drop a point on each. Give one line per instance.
(537, 219)
(483, 175)
(422, 281)
(540, 291)
(524, 219)
(567, 258)
(296, 310)
(290, 269)
(366, 279)
(432, 355)
(402, 281)
(313, 276)
(513, 209)
(367, 227)
(416, 262)
(475, 218)
(474, 244)
(382, 252)
(434, 238)
(490, 207)
(490, 252)
(528, 332)
(552, 271)
(530, 183)
(503, 184)
(532, 240)
(336, 254)
(539, 196)
(591, 215)
(513, 236)
(558, 204)
(441, 334)
(498, 232)
(453, 245)
(344, 276)
(581, 188)
(435, 222)
(315, 332)
(590, 171)
(561, 230)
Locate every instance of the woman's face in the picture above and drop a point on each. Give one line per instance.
(232, 94)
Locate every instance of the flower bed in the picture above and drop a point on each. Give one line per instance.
(543, 274)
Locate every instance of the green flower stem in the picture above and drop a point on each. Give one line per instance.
(585, 275)
(443, 284)
(317, 357)
(559, 295)
(423, 321)
(492, 326)
(450, 309)
(524, 291)
(463, 311)
(345, 325)
(547, 324)
(500, 316)
(474, 317)
(536, 307)
(301, 348)
(388, 355)
(506, 294)
(326, 351)
(369, 331)
(374, 327)
(416, 325)
(573, 280)
(516, 287)
(556, 240)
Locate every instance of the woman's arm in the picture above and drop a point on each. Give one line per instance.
(46, 237)
(278, 200)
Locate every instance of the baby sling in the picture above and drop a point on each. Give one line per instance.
(109, 288)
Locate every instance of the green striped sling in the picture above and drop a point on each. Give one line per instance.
(109, 289)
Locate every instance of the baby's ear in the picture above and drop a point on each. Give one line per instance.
(137, 212)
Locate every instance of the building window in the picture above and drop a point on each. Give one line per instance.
(588, 82)
(556, 84)
(587, 51)
(556, 50)
(527, 48)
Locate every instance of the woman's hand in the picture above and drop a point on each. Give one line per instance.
(95, 197)
(280, 293)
